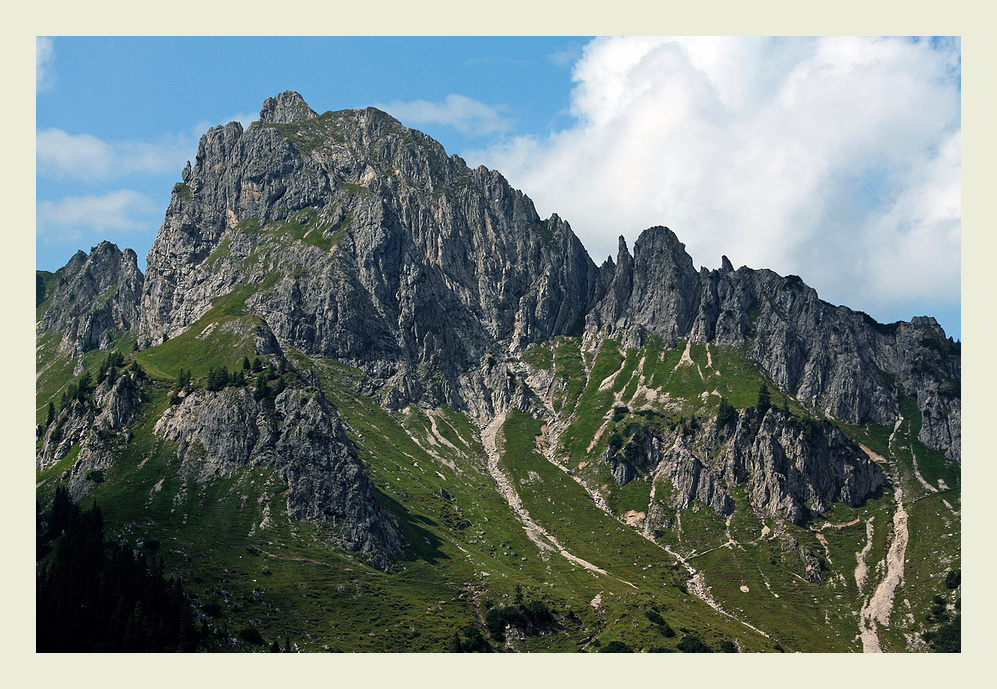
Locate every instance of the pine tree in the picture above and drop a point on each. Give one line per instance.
(726, 412)
(51, 415)
(217, 379)
(764, 398)
(261, 390)
(84, 387)
(245, 363)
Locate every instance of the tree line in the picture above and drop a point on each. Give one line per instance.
(94, 596)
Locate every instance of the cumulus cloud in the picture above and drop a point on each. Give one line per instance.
(84, 157)
(833, 158)
(123, 210)
(44, 55)
(61, 155)
(466, 115)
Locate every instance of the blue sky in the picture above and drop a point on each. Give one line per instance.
(836, 159)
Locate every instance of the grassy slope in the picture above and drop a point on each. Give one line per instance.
(237, 550)
(778, 599)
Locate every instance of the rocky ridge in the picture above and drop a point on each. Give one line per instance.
(831, 358)
(414, 266)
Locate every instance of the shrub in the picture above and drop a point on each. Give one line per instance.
(251, 635)
(691, 643)
(616, 647)
(726, 413)
(947, 638)
(953, 579)
(654, 617)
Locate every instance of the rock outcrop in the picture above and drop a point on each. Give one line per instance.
(93, 422)
(300, 436)
(792, 468)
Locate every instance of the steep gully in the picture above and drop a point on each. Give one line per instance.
(878, 606)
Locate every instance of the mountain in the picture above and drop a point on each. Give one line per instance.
(423, 418)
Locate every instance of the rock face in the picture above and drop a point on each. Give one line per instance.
(792, 468)
(94, 422)
(96, 294)
(406, 259)
(300, 436)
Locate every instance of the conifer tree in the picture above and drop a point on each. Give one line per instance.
(261, 390)
(764, 398)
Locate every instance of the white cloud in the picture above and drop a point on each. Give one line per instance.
(44, 55)
(833, 158)
(466, 115)
(76, 156)
(116, 211)
(85, 157)
(64, 156)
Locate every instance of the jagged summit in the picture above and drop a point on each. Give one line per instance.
(285, 108)
(109, 282)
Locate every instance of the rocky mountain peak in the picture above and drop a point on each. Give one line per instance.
(286, 108)
(95, 294)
